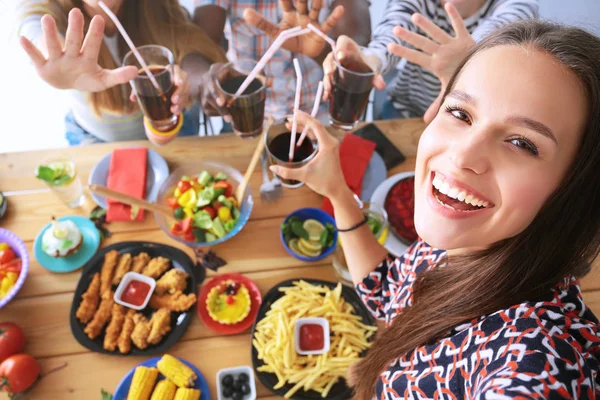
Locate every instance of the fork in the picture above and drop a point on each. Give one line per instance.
(270, 190)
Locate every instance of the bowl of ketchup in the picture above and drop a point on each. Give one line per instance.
(135, 290)
(312, 336)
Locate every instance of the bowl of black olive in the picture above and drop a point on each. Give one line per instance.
(236, 384)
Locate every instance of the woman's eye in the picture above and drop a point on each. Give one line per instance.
(525, 145)
(458, 114)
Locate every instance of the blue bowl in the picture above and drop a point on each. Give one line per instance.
(311, 213)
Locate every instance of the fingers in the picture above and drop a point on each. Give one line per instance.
(434, 31)
(315, 10)
(458, 24)
(74, 35)
(181, 96)
(332, 19)
(347, 48)
(324, 138)
(296, 174)
(413, 56)
(418, 41)
(328, 67)
(93, 39)
(379, 82)
(118, 76)
(51, 37)
(132, 97)
(257, 20)
(302, 12)
(36, 56)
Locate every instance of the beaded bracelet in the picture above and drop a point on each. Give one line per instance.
(354, 227)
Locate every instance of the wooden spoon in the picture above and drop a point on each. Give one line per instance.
(132, 201)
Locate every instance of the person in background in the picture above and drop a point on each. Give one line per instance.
(255, 24)
(102, 107)
(487, 303)
(432, 36)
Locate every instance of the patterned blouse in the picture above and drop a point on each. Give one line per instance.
(534, 350)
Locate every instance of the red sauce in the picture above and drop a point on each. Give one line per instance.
(135, 293)
(400, 206)
(312, 337)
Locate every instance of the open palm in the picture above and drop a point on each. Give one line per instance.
(309, 44)
(75, 65)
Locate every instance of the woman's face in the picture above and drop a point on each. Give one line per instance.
(500, 145)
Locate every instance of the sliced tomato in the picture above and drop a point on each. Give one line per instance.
(211, 211)
(18, 372)
(7, 255)
(172, 202)
(186, 225)
(224, 185)
(184, 186)
(177, 229)
(12, 266)
(189, 237)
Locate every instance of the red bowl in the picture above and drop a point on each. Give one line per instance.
(223, 329)
(400, 206)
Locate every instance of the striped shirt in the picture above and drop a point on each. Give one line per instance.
(415, 88)
(248, 42)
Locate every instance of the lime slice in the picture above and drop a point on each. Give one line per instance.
(314, 229)
(306, 252)
(310, 245)
(293, 245)
(60, 231)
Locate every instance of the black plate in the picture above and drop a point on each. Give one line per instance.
(339, 391)
(179, 321)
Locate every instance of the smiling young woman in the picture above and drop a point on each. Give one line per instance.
(507, 184)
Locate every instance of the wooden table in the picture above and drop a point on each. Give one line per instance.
(42, 306)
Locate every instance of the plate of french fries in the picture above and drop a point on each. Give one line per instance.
(274, 358)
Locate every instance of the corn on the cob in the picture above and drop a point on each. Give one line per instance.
(142, 383)
(164, 390)
(176, 371)
(187, 394)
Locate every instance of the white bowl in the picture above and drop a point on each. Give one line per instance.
(235, 371)
(134, 276)
(323, 323)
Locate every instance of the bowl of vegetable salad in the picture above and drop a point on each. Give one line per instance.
(205, 209)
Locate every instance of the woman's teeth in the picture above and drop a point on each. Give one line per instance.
(457, 193)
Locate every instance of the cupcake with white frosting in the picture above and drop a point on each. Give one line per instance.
(62, 239)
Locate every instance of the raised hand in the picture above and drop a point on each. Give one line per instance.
(441, 54)
(75, 65)
(309, 44)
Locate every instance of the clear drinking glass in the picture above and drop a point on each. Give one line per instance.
(247, 110)
(277, 144)
(63, 180)
(378, 222)
(352, 83)
(156, 106)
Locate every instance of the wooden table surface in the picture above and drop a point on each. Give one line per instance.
(42, 306)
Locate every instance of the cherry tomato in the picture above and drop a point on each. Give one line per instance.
(176, 229)
(224, 185)
(6, 255)
(12, 340)
(172, 202)
(211, 211)
(18, 372)
(184, 186)
(12, 266)
(186, 225)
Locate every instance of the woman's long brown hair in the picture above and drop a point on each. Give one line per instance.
(160, 22)
(564, 236)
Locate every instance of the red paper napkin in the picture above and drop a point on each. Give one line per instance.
(355, 155)
(127, 174)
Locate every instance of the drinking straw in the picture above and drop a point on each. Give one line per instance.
(296, 106)
(313, 113)
(129, 42)
(283, 36)
(325, 37)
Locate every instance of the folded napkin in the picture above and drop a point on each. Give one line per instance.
(127, 174)
(355, 155)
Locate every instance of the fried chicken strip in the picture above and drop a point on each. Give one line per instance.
(172, 281)
(113, 331)
(122, 268)
(156, 267)
(140, 333)
(161, 325)
(89, 300)
(124, 341)
(139, 262)
(101, 317)
(108, 268)
(173, 302)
